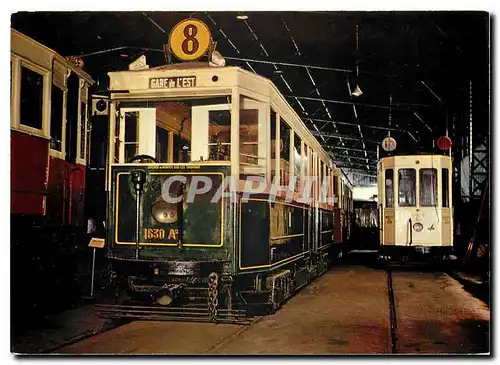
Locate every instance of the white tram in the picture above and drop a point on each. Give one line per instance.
(415, 205)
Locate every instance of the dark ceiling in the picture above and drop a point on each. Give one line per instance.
(415, 68)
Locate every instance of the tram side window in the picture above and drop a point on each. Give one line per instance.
(56, 118)
(284, 153)
(83, 114)
(444, 187)
(407, 187)
(297, 156)
(389, 188)
(274, 116)
(428, 187)
(31, 98)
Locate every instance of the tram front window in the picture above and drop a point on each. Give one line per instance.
(174, 131)
(407, 187)
(428, 187)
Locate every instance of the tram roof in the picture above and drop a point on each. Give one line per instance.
(29, 48)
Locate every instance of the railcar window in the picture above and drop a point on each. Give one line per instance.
(179, 130)
(389, 188)
(117, 139)
(72, 103)
(56, 118)
(31, 98)
(444, 187)
(83, 114)
(336, 193)
(273, 119)
(249, 136)
(428, 187)
(284, 153)
(297, 157)
(407, 187)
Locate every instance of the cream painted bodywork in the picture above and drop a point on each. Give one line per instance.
(437, 221)
(55, 70)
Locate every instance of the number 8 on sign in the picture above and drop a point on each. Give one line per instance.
(190, 39)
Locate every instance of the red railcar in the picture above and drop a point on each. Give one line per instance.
(343, 208)
(49, 132)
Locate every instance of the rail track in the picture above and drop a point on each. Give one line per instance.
(392, 311)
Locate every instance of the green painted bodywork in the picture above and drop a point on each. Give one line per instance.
(208, 228)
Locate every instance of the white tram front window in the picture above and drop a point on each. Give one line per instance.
(174, 131)
(428, 187)
(407, 188)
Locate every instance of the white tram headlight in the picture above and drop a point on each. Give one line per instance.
(418, 227)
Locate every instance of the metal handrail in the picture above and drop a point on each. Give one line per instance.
(411, 232)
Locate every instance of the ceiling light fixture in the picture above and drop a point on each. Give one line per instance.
(242, 17)
(357, 90)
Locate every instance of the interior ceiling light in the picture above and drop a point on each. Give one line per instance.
(357, 92)
(242, 17)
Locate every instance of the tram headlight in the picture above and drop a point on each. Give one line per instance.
(418, 227)
(164, 212)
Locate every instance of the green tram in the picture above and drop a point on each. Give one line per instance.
(211, 208)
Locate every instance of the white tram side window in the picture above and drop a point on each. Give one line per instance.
(284, 153)
(444, 187)
(407, 188)
(31, 107)
(428, 187)
(56, 118)
(389, 188)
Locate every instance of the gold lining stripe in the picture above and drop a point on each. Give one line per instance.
(282, 262)
(169, 244)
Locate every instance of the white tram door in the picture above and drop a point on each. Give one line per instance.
(387, 222)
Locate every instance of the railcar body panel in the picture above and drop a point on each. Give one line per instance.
(29, 175)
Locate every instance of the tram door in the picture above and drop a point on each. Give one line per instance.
(386, 206)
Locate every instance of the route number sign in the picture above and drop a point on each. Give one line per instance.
(190, 39)
(389, 144)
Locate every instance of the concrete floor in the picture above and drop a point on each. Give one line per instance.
(345, 311)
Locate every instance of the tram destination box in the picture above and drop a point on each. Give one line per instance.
(180, 82)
